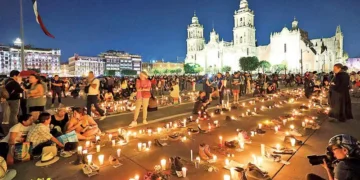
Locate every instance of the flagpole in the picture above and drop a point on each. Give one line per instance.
(22, 37)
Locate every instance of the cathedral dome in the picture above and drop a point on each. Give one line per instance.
(295, 24)
(285, 29)
(244, 4)
(195, 19)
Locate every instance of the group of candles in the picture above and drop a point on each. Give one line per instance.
(144, 146)
(89, 157)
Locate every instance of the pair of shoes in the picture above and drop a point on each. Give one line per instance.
(273, 157)
(230, 144)
(244, 137)
(288, 138)
(193, 131)
(158, 143)
(114, 161)
(145, 122)
(176, 166)
(260, 131)
(204, 152)
(240, 173)
(133, 124)
(252, 171)
(175, 136)
(202, 131)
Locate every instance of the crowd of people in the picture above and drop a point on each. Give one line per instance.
(23, 101)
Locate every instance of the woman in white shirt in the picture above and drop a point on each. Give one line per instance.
(17, 134)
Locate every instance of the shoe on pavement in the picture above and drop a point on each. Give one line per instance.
(202, 153)
(145, 122)
(102, 118)
(133, 124)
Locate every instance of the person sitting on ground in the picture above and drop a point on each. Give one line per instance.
(271, 89)
(175, 92)
(109, 97)
(58, 122)
(346, 150)
(40, 135)
(201, 103)
(83, 124)
(17, 134)
(258, 92)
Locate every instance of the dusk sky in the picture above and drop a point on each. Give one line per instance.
(156, 29)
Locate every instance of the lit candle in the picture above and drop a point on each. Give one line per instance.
(197, 121)
(227, 162)
(89, 158)
(85, 151)
(276, 129)
(184, 171)
(284, 122)
(167, 126)
(191, 155)
(118, 152)
(159, 130)
(292, 127)
(97, 148)
(262, 149)
(259, 161)
(144, 146)
(277, 147)
(303, 124)
(260, 126)
(209, 127)
(232, 173)
(113, 142)
(252, 133)
(214, 158)
(184, 122)
(220, 138)
(79, 149)
(97, 138)
(227, 177)
(139, 146)
(110, 137)
(184, 138)
(87, 144)
(134, 134)
(149, 132)
(137, 177)
(163, 164)
(101, 159)
(255, 159)
(149, 144)
(293, 140)
(242, 145)
(175, 125)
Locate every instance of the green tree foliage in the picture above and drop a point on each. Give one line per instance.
(110, 73)
(278, 68)
(264, 65)
(128, 72)
(178, 71)
(165, 71)
(249, 63)
(226, 69)
(192, 68)
(172, 71)
(155, 71)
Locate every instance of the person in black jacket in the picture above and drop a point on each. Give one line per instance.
(15, 92)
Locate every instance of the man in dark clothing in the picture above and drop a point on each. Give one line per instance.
(56, 88)
(15, 92)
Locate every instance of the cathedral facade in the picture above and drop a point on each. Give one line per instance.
(290, 47)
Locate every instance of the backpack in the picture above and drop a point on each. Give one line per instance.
(4, 92)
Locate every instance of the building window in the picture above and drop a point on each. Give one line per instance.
(247, 51)
(284, 48)
(241, 39)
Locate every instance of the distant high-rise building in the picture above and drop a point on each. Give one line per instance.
(82, 65)
(45, 60)
(119, 60)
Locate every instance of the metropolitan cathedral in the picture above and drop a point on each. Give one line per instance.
(291, 46)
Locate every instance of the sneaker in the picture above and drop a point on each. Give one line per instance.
(86, 169)
(207, 151)
(145, 122)
(202, 153)
(133, 124)
(102, 118)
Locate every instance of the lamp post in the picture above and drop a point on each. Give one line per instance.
(22, 37)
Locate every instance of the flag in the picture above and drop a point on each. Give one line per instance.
(39, 20)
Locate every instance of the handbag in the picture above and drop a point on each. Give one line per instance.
(68, 137)
(22, 151)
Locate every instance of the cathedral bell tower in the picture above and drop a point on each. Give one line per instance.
(339, 40)
(244, 29)
(195, 39)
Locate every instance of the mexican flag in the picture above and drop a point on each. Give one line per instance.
(39, 20)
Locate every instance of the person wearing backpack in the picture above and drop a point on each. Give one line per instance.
(93, 91)
(15, 91)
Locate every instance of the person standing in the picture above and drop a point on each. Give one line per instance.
(15, 91)
(143, 86)
(207, 86)
(340, 101)
(93, 95)
(235, 86)
(220, 87)
(56, 88)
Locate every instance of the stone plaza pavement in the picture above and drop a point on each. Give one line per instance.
(136, 162)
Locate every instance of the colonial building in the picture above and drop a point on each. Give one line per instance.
(291, 47)
(218, 53)
(118, 60)
(81, 65)
(45, 60)
(160, 65)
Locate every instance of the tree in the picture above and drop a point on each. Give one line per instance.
(264, 65)
(226, 69)
(198, 69)
(128, 72)
(155, 71)
(279, 67)
(249, 63)
(165, 71)
(178, 71)
(172, 71)
(190, 68)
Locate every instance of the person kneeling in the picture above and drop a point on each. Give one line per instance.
(201, 103)
(40, 135)
(83, 124)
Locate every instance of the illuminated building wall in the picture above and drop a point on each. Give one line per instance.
(118, 60)
(81, 65)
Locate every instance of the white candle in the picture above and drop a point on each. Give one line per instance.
(220, 138)
(242, 145)
(227, 177)
(252, 133)
(278, 147)
(214, 158)
(110, 137)
(89, 158)
(184, 171)
(163, 164)
(262, 149)
(159, 130)
(97, 138)
(113, 142)
(137, 177)
(260, 126)
(101, 159)
(118, 152)
(232, 173)
(79, 149)
(149, 144)
(191, 155)
(85, 151)
(276, 129)
(255, 159)
(227, 162)
(144, 146)
(97, 148)
(87, 144)
(139, 146)
(292, 127)
(303, 124)
(259, 161)
(149, 132)
(167, 126)
(293, 140)
(184, 122)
